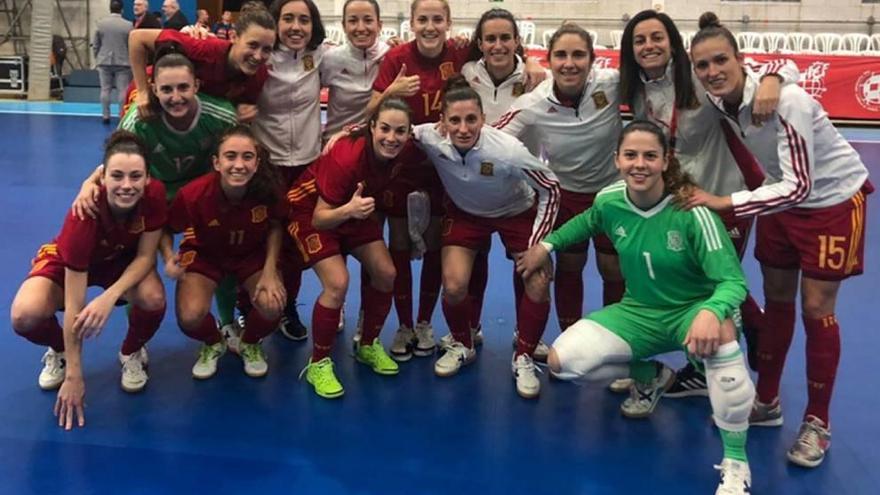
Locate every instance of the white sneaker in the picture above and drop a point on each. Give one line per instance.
(644, 398)
(232, 333)
(134, 370)
(52, 374)
(401, 346)
(424, 339)
(341, 325)
(454, 357)
(206, 365)
(736, 478)
(621, 385)
(542, 350)
(476, 337)
(254, 359)
(526, 375)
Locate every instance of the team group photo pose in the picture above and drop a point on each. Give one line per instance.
(281, 171)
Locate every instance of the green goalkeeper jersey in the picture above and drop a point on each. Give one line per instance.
(670, 258)
(177, 157)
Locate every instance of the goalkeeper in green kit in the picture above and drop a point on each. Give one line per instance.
(684, 285)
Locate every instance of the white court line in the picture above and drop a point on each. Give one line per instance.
(43, 112)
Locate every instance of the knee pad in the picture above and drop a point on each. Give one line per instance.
(586, 348)
(731, 390)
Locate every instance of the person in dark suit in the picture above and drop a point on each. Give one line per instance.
(143, 18)
(174, 18)
(110, 47)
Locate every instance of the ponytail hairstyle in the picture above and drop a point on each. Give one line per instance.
(387, 103)
(678, 183)
(318, 31)
(631, 83)
(572, 28)
(711, 27)
(253, 13)
(457, 89)
(265, 185)
(125, 142)
(474, 51)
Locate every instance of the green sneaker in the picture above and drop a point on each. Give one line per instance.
(374, 356)
(322, 377)
(206, 365)
(254, 360)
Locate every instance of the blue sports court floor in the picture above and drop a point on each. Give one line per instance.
(413, 433)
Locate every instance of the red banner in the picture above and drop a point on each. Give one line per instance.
(847, 86)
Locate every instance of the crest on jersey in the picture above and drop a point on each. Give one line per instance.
(308, 63)
(674, 241)
(259, 214)
(187, 258)
(313, 243)
(447, 70)
(620, 231)
(137, 226)
(600, 99)
(868, 91)
(487, 169)
(518, 89)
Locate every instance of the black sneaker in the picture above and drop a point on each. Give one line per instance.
(290, 325)
(689, 382)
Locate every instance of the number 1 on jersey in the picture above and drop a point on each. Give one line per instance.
(647, 256)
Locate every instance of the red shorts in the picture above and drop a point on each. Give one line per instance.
(314, 245)
(51, 266)
(392, 201)
(738, 229)
(215, 268)
(573, 204)
(460, 228)
(825, 243)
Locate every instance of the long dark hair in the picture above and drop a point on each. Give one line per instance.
(711, 27)
(678, 183)
(474, 52)
(265, 185)
(318, 31)
(168, 55)
(387, 103)
(631, 83)
(127, 143)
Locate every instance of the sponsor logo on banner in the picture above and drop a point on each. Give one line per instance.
(604, 63)
(868, 90)
(813, 79)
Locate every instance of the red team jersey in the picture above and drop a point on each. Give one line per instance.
(101, 245)
(216, 228)
(432, 72)
(210, 57)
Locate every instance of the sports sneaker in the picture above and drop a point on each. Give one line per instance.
(621, 385)
(542, 350)
(644, 398)
(52, 374)
(689, 382)
(290, 325)
(813, 440)
(374, 356)
(766, 414)
(232, 333)
(476, 337)
(321, 376)
(736, 478)
(254, 359)
(134, 370)
(206, 365)
(424, 340)
(402, 345)
(526, 375)
(454, 357)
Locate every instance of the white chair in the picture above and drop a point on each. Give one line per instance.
(469, 32)
(828, 42)
(616, 36)
(874, 49)
(686, 37)
(526, 32)
(406, 33)
(545, 37)
(774, 42)
(750, 42)
(799, 43)
(387, 33)
(855, 43)
(335, 35)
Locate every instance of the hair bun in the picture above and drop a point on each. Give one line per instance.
(455, 82)
(709, 19)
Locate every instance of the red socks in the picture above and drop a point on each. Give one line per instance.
(531, 320)
(477, 285)
(206, 332)
(429, 287)
(403, 287)
(823, 354)
(48, 333)
(773, 346)
(142, 325)
(569, 291)
(457, 318)
(257, 327)
(324, 323)
(376, 306)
